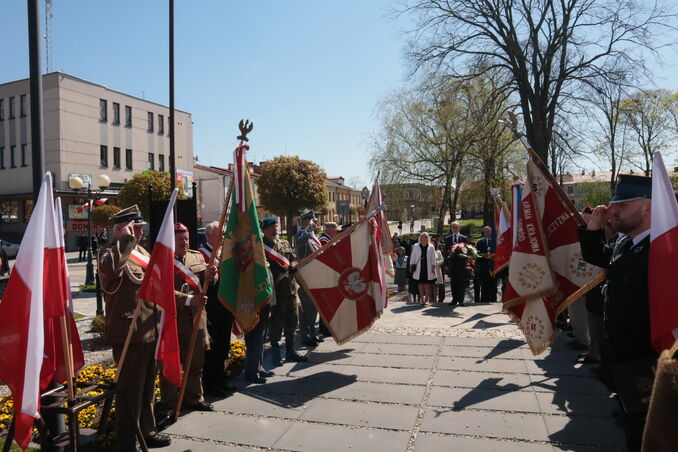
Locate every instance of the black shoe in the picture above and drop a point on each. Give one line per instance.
(163, 422)
(228, 388)
(461, 304)
(588, 359)
(255, 379)
(158, 440)
(266, 373)
(201, 406)
(293, 357)
(310, 342)
(319, 339)
(452, 303)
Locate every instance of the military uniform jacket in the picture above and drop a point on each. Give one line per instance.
(626, 306)
(284, 284)
(120, 280)
(194, 261)
(305, 243)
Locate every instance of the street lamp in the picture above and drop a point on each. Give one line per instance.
(76, 184)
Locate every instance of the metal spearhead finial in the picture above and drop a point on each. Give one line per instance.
(245, 127)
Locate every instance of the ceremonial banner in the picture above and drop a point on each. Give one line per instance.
(21, 321)
(244, 287)
(375, 202)
(158, 287)
(572, 276)
(502, 255)
(663, 267)
(345, 281)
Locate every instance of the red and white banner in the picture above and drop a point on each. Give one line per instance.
(375, 203)
(663, 267)
(22, 320)
(502, 254)
(77, 355)
(158, 287)
(345, 281)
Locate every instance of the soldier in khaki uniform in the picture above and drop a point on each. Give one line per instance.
(281, 260)
(121, 267)
(190, 269)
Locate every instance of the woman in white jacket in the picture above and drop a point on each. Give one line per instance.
(423, 259)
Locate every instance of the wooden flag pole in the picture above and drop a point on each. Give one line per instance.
(68, 355)
(245, 128)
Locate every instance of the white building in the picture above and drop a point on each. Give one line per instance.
(88, 130)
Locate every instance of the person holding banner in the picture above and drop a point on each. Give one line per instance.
(121, 265)
(219, 324)
(305, 243)
(189, 270)
(281, 260)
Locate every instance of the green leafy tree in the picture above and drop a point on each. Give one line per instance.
(289, 184)
(135, 190)
(101, 215)
(594, 194)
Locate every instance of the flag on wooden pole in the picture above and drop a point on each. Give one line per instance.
(663, 266)
(244, 286)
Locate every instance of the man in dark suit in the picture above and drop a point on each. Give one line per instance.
(456, 265)
(484, 284)
(626, 337)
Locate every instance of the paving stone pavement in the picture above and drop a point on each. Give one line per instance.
(429, 379)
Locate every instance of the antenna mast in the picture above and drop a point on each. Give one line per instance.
(48, 36)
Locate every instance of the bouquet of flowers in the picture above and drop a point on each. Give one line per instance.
(465, 251)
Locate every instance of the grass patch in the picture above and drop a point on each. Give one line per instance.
(88, 288)
(78, 316)
(15, 448)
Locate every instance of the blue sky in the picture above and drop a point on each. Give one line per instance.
(309, 73)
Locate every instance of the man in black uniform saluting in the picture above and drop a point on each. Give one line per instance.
(626, 337)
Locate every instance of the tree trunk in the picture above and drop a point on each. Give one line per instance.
(488, 210)
(443, 205)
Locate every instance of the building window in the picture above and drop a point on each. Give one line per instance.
(116, 158)
(2, 109)
(161, 162)
(22, 105)
(128, 116)
(150, 121)
(128, 159)
(103, 156)
(24, 156)
(12, 107)
(103, 110)
(2, 157)
(9, 211)
(161, 124)
(151, 163)
(12, 156)
(116, 113)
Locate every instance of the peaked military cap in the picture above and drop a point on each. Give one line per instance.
(630, 188)
(268, 221)
(129, 214)
(307, 215)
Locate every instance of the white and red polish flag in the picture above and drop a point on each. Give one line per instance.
(345, 281)
(376, 203)
(75, 344)
(22, 340)
(158, 287)
(663, 266)
(502, 255)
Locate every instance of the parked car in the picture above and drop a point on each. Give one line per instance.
(10, 248)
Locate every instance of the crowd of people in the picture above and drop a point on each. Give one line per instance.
(122, 263)
(423, 264)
